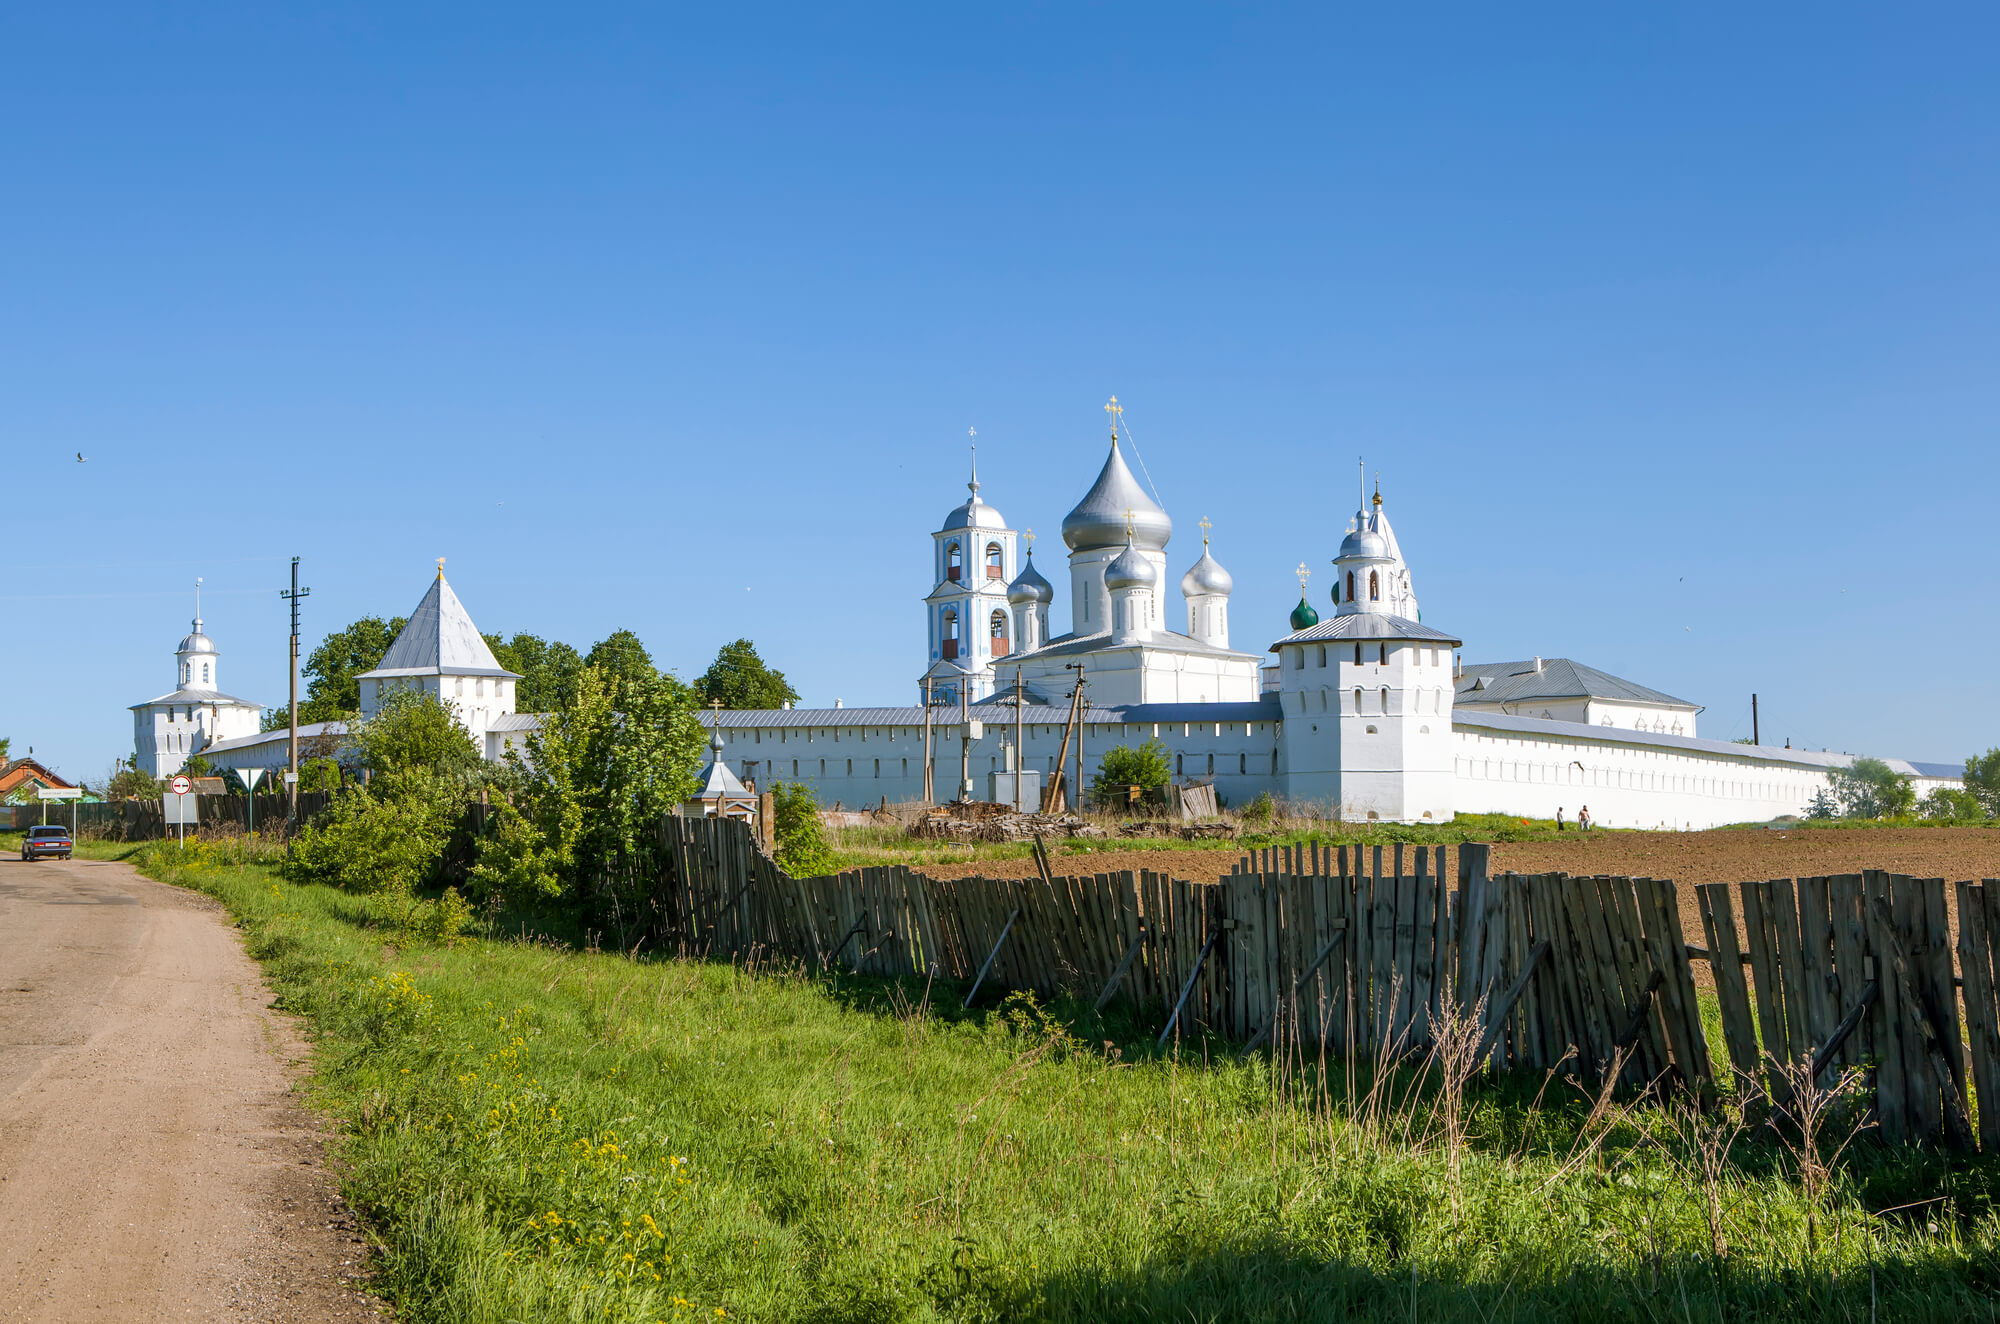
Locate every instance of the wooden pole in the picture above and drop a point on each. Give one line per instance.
(930, 792)
(987, 964)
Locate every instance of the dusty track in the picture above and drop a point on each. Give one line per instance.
(154, 1162)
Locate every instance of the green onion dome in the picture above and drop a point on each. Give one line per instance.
(1303, 616)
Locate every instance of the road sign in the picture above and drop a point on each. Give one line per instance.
(181, 811)
(251, 776)
(59, 792)
(180, 786)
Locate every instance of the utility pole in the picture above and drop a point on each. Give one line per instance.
(1020, 750)
(1754, 733)
(292, 595)
(930, 794)
(964, 744)
(1052, 795)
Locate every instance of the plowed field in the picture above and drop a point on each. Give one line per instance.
(1686, 857)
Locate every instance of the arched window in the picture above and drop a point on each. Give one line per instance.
(187, 669)
(1357, 700)
(950, 633)
(996, 629)
(1350, 586)
(993, 561)
(1385, 700)
(1374, 586)
(204, 673)
(954, 562)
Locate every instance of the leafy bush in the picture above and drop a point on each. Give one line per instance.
(1146, 767)
(1259, 812)
(1869, 788)
(803, 850)
(516, 862)
(370, 841)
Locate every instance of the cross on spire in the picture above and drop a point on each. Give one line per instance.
(1028, 537)
(1129, 531)
(1116, 411)
(440, 567)
(197, 602)
(1205, 527)
(1304, 572)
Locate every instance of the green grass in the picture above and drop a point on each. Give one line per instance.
(536, 1133)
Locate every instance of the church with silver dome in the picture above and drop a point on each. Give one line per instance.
(988, 614)
(194, 714)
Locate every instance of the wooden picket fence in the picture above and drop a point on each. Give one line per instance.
(1374, 952)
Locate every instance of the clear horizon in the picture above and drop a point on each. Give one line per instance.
(1670, 334)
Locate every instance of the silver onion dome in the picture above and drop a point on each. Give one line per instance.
(1364, 543)
(1130, 570)
(196, 642)
(1206, 577)
(1029, 586)
(1099, 519)
(974, 514)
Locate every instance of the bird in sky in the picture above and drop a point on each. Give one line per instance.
(80, 459)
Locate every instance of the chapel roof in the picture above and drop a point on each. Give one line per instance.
(440, 639)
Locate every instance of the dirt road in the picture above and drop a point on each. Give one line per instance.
(154, 1163)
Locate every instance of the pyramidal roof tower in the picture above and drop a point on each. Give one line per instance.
(441, 652)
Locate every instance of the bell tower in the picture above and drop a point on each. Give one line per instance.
(967, 616)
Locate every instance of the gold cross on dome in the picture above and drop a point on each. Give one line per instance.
(440, 567)
(1205, 527)
(1128, 523)
(1116, 410)
(1028, 537)
(1304, 573)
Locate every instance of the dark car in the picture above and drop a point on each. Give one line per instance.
(45, 841)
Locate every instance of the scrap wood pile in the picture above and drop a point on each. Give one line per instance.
(1155, 827)
(979, 820)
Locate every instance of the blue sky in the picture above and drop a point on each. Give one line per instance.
(1672, 333)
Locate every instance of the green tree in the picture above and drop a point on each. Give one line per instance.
(1982, 779)
(548, 671)
(1951, 805)
(332, 692)
(803, 851)
(128, 783)
(5, 744)
(738, 678)
(1869, 788)
(604, 767)
(416, 731)
(1147, 767)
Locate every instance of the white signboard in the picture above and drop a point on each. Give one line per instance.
(59, 792)
(182, 810)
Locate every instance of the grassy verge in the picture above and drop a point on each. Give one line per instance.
(538, 1133)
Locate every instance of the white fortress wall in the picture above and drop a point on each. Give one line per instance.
(1631, 779)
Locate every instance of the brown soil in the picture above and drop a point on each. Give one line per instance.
(1687, 857)
(155, 1163)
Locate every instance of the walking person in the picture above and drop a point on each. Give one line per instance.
(1559, 818)
(1583, 819)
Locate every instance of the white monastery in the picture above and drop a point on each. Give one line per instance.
(195, 714)
(1368, 712)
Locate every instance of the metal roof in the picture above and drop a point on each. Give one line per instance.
(997, 711)
(1071, 645)
(1100, 519)
(1559, 678)
(280, 736)
(196, 697)
(516, 722)
(440, 639)
(1360, 625)
(1954, 771)
(1618, 735)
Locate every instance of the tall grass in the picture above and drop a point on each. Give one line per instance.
(536, 1133)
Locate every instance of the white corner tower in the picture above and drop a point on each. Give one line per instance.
(1367, 694)
(441, 652)
(966, 612)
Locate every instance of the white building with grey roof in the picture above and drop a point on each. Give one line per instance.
(187, 720)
